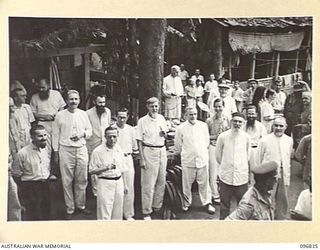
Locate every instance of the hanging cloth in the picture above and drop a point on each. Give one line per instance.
(54, 75)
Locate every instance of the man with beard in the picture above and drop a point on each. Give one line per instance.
(32, 168)
(192, 142)
(256, 203)
(173, 91)
(100, 118)
(256, 130)
(277, 147)
(128, 143)
(70, 129)
(45, 104)
(233, 154)
(107, 162)
(151, 132)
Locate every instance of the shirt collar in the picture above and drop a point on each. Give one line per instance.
(260, 197)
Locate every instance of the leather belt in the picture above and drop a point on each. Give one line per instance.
(151, 146)
(127, 154)
(255, 146)
(110, 178)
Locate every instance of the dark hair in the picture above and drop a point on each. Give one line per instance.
(257, 97)
(14, 92)
(36, 127)
(123, 109)
(218, 100)
(45, 80)
(110, 128)
(99, 95)
(238, 114)
(270, 92)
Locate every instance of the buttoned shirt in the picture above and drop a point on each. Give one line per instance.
(253, 207)
(98, 124)
(148, 130)
(256, 132)
(32, 163)
(67, 125)
(267, 111)
(103, 156)
(233, 154)
(279, 101)
(127, 139)
(216, 126)
(192, 141)
(278, 149)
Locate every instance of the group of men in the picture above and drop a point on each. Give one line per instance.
(225, 155)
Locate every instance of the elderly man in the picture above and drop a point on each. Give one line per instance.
(32, 167)
(192, 142)
(23, 115)
(173, 91)
(280, 97)
(70, 130)
(108, 163)
(256, 204)
(128, 143)
(277, 147)
(233, 155)
(100, 119)
(151, 132)
(45, 104)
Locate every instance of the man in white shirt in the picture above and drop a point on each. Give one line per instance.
(280, 97)
(70, 129)
(32, 168)
(128, 143)
(45, 104)
(23, 114)
(100, 118)
(173, 91)
(184, 75)
(198, 76)
(303, 208)
(210, 86)
(192, 142)
(233, 155)
(151, 132)
(108, 163)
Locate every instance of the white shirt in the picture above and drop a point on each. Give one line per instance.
(267, 111)
(210, 85)
(148, 130)
(103, 156)
(69, 124)
(32, 163)
(233, 154)
(279, 101)
(192, 141)
(256, 132)
(237, 94)
(127, 139)
(200, 77)
(172, 85)
(304, 204)
(274, 148)
(98, 124)
(230, 107)
(184, 75)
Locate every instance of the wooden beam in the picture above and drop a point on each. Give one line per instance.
(272, 64)
(86, 67)
(253, 66)
(278, 64)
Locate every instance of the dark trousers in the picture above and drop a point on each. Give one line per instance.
(226, 194)
(36, 199)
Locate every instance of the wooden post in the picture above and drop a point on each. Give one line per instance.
(253, 67)
(217, 51)
(278, 64)
(297, 62)
(272, 64)
(230, 67)
(86, 64)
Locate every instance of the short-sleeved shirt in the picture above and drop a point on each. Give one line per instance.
(216, 126)
(127, 139)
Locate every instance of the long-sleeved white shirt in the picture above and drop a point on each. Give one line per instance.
(172, 85)
(67, 125)
(256, 132)
(192, 141)
(233, 154)
(127, 139)
(278, 149)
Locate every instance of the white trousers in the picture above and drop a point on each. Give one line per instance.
(74, 170)
(189, 175)
(109, 199)
(172, 107)
(213, 171)
(153, 178)
(128, 199)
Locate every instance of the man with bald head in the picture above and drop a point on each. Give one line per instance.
(71, 127)
(173, 91)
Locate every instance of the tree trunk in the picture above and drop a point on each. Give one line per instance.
(151, 55)
(217, 52)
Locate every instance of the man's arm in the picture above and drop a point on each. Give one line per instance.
(243, 212)
(219, 149)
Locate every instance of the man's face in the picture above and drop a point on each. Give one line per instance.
(100, 103)
(218, 107)
(236, 84)
(182, 67)
(73, 100)
(192, 115)
(279, 126)
(43, 89)
(251, 115)
(278, 86)
(253, 85)
(270, 182)
(153, 108)
(237, 122)
(20, 97)
(306, 100)
(212, 77)
(223, 92)
(174, 72)
(111, 138)
(197, 72)
(40, 138)
(122, 118)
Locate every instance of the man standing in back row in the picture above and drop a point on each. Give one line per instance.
(70, 129)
